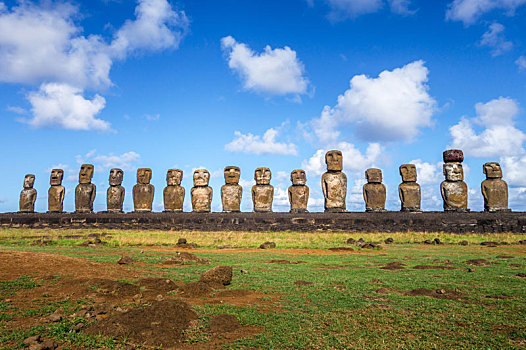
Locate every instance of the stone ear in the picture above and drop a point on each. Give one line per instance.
(484, 169)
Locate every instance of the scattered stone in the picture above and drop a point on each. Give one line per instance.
(125, 260)
(31, 340)
(360, 241)
(428, 241)
(371, 245)
(389, 240)
(478, 262)
(181, 241)
(224, 323)
(464, 243)
(395, 265)
(267, 245)
(437, 241)
(225, 246)
(54, 317)
(78, 327)
(441, 291)
(376, 280)
(243, 271)
(218, 275)
(433, 267)
(522, 241)
(521, 274)
(350, 241)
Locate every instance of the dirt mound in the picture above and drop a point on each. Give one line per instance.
(341, 249)
(434, 293)
(284, 262)
(303, 283)
(196, 290)
(218, 275)
(114, 288)
(158, 285)
(395, 265)
(182, 258)
(224, 323)
(160, 324)
(478, 262)
(433, 267)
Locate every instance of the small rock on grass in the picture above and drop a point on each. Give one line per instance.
(267, 245)
(350, 241)
(389, 240)
(125, 260)
(437, 241)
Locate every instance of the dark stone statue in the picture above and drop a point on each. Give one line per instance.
(85, 191)
(28, 196)
(454, 190)
(262, 191)
(494, 189)
(298, 192)
(115, 193)
(409, 190)
(374, 192)
(231, 191)
(201, 193)
(173, 193)
(55, 197)
(143, 191)
(334, 182)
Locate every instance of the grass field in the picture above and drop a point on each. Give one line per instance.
(299, 295)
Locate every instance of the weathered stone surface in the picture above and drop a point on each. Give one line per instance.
(453, 156)
(454, 190)
(374, 192)
(298, 192)
(56, 192)
(115, 193)
(262, 191)
(85, 191)
(334, 182)
(221, 275)
(409, 191)
(173, 193)
(231, 191)
(494, 189)
(28, 195)
(201, 193)
(143, 191)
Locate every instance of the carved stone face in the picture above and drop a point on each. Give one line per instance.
(492, 170)
(56, 177)
(453, 172)
(201, 177)
(298, 177)
(334, 160)
(373, 175)
(232, 175)
(262, 176)
(86, 173)
(144, 175)
(408, 172)
(29, 181)
(116, 176)
(174, 177)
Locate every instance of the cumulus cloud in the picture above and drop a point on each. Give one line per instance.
(494, 39)
(391, 107)
(61, 105)
(401, 7)
(274, 71)
(428, 173)
(499, 136)
(521, 63)
(342, 9)
(123, 161)
(469, 11)
(256, 144)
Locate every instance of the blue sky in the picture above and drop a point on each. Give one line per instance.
(191, 84)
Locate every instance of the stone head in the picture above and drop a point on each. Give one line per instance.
(144, 175)
(174, 177)
(201, 177)
(408, 172)
(116, 176)
(262, 176)
(232, 175)
(56, 177)
(373, 175)
(85, 173)
(334, 160)
(29, 181)
(492, 170)
(298, 177)
(453, 172)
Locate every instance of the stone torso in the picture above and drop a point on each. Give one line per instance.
(455, 195)
(298, 198)
(231, 197)
(114, 198)
(143, 197)
(173, 198)
(55, 198)
(201, 198)
(84, 196)
(409, 193)
(28, 197)
(262, 197)
(335, 189)
(374, 195)
(495, 192)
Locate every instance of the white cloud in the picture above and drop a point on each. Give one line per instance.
(61, 105)
(16, 109)
(521, 63)
(274, 71)
(494, 38)
(124, 161)
(392, 107)
(153, 117)
(514, 168)
(401, 7)
(342, 9)
(499, 137)
(428, 173)
(255, 144)
(469, 11)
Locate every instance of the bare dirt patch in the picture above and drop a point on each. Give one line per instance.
(284, 262)
(435, 293)
(395, 265)
(433, 267)
(478, 262)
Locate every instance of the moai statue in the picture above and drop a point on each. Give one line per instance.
(454, 190)
(298, 192)
(201, 193)
(494, 189)
(262, 191)
(115, 193)
(85, 191)
(409, 190)
(173, 192)
(374, 191)
(231, 191)
(334, 182)
(55, 195)
(28, 196)
(143, 191)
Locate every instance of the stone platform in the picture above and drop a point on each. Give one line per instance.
(478, 222)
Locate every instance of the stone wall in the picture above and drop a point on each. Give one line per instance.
(479, 222)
